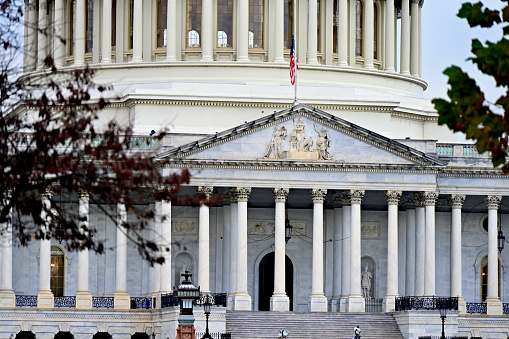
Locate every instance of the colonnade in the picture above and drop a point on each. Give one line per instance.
(39, 31)
(347, 296)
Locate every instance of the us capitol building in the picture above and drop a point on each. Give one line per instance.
(383, 202)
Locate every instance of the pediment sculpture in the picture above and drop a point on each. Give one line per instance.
(301, 146)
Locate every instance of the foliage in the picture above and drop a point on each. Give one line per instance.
(49, 143)
(468, 111)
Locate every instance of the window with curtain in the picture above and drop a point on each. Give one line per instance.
(57, 271)
(484, 278)
(193, 23)
(359, 16)
(288, 23)
(256, 23)
(224, 23)
(89, 23)
(375, 30)
(162, 14)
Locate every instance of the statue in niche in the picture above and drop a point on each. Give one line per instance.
(366, 277)
(182, 271)
(298, 140)
(323, 143)
(274, 151)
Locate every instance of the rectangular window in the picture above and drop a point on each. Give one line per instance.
(114, 24)
(224, 23)
(72, 27)
(256, 23)
(131, 23)
(162, 14)
(89, 19)
(288, 23)
(335, 21)
(193, 23)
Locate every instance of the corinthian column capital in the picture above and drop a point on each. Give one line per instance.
(280, 194)
(206, 190)
(242, 193)
(318, 194)
(430, 198)
(492, 201)
(393, 197)
(48, 193)
(456, 200)
(356, 196)
(83, 195)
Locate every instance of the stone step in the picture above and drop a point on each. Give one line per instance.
(304, 325)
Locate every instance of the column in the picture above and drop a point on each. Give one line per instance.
(414, 39)
(226, 248)
(420, 40)
(165, 214)
(138, 31)
(58, 23)
(42, 33)
(345, 262)
(204, 243)
(337, 258)
(279, 32)
(156, 268)
(279, 300)
(389, 302)
(83, 295)
(106, 29)
(243, 31)
(405, 37)
(420, 243)
(242, 299)
(369, 34)
(31, 47)
(410, 250)
(343, 33)
(171, 31)
(233, 247)
(312, 33)
(317, 300)
(119, 39)
(389, 36)
(352, 59)
(7, 296)
(122, 299)
(79, 36)
(207, 30)
(493, 304)
(44, 295)
(456, 202)
(429, 251)
(355, 301)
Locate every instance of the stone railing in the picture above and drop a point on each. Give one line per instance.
(426, 303)
(459, 150)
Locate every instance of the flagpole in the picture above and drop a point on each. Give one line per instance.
(296, 59)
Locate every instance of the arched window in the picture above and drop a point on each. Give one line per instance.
(89, 26)
(484, 278)
(57, 271)
(359, 16)
(193, 23)
(256, 23)
(375, 31)
(288, 23)
(224, 23)
(162, 14)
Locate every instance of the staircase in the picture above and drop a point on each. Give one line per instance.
(303, 325)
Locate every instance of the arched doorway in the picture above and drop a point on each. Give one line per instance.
(266, 281)
(64, 335)
(25, 335)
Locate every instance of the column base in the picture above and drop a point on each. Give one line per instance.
(389, 304)
(334, 303)
(355, 303)
(242, 302)
(229, 303)
(243, 59)
(7, 299)
(206, 58)
(342, 304)
(156, 299)
(462, 306)
(493, 306)
(317, 303)
(45, 299)
(121, 300)
(279, 302)
(83, 300)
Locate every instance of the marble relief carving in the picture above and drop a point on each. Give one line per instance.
(267, 228)
(184, 226)
(301, 145)
(369, 231)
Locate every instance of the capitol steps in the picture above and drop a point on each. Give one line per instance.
(304, 325)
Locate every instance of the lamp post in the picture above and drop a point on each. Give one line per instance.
(443, 315)
(186, 293)
(288, 229)
(207, 301)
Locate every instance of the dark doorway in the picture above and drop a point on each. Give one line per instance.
(64, 335)
(266, 281)
(102, 335)
(140, 335)
(25, 335)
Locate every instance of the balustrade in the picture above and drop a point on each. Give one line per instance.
(426, 303)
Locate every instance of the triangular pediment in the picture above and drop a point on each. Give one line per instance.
(302, 134)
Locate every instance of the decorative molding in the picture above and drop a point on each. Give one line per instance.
(184, 225)
(280, 194)
(370, 231)
(266, 227)
(357, 196)
(492, 201)
(393, 197)
(430, 198)
(456, 201)
(318, 195)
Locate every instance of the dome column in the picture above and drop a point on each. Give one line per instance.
(207, 30)
(405, 37)
(369, 34)
(389, 36)
(106, 36)
(42, 34)
(58, 35)
(30, 49)
(279, 32)
(414, 39)
(493, 304)
(312, 33)
(243, 31)
(343, 33)
(171, 31)
(79, 37)
(138, 31)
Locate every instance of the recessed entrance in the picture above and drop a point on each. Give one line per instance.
(266, 283)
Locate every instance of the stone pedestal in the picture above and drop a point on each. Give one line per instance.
(389, 304)
(229, 304)
(45, 299)
(242, 302)
(342, 304)
(185, 332)
(493, 306)
(7, 299)
(83, 300)
(122, 300)
(334, 304)
(318, 303)
(280, 302)
(355, 304)
(462, 306)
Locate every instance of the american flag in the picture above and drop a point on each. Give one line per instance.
(293, 62)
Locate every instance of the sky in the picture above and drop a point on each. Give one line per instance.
(446, 41)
